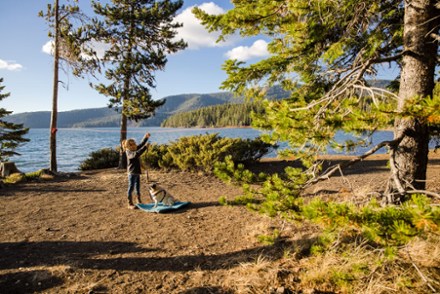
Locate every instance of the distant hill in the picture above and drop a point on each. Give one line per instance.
(66, 119)
(106, 117)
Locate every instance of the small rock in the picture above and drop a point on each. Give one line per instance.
(281, 290)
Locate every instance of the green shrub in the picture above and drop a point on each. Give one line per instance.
(14, 178)
(194, 153)
(200, 153)
(34, 175)
(382, 226)
(247, 150)
(157, 156)
(103, 158)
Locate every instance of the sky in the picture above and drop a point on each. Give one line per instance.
(26, 64)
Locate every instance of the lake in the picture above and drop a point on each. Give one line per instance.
(74, 145)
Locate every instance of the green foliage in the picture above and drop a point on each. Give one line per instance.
(360, 242)
(104, 158)
(157, 156)
(426, 109)
(323, 52)
(131, 59)
(14, 178)
(34, 175)
(11, 135)
(244, 200)
(269, 239)
(434, 119)
(347, 230)
(201, 153)
(387, 226)
(276, 193)
(228, 172)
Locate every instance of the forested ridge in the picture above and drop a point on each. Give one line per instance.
(106, 117)
(224, 115)
(172, 114)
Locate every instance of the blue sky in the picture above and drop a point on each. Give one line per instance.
(27, 67)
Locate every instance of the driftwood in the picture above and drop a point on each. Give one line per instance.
(7, 168)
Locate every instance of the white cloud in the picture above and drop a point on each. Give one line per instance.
(243, 53)
(98, 47)
(193, 32)
(12, 66)
(48, 47)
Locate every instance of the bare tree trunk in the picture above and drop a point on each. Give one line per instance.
(125, 99)
(54, 116)
(417, 79)
(123, 136)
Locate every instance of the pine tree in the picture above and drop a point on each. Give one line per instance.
(323, 52)
(139, 34)
(67, 46)
(11, 135)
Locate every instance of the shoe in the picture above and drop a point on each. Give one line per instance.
(132, 206)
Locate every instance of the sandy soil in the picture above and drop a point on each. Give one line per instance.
(74, 234)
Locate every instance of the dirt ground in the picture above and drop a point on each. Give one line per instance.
(74, 234)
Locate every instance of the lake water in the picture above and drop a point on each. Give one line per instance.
(74, 145)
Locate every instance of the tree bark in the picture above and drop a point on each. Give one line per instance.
(417, 79)
(126, 97)
(123, 136)
(54, 116)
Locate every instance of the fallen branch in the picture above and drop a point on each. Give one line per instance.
(420, 273)
(427, 193)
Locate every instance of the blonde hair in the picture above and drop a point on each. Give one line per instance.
(129, 144)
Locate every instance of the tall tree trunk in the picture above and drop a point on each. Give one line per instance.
(54, 116)
(125, 99)
(123, 136)
(417, 79)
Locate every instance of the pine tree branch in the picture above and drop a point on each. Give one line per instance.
(435, 36)
(337, 167)
(387, 59)
(428, 193)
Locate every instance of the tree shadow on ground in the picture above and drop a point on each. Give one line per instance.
(12, 190)
(28, 282)
(101, 256)
(48, 185)
(207, 289)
